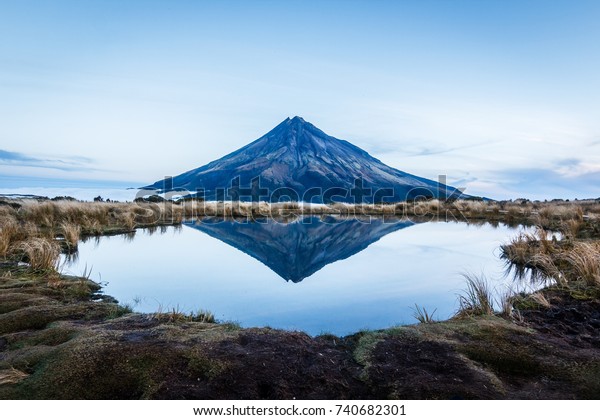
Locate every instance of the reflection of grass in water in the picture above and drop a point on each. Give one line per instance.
(568, 262)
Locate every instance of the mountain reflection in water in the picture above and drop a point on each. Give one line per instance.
(298, 249)
(356, 275)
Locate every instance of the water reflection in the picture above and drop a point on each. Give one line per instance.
(344, 276)
(298, 249)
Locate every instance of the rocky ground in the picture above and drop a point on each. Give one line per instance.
(59, 338)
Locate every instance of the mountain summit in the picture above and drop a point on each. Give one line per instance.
(296, 161)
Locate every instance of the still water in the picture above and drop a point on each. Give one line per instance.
(311, 275)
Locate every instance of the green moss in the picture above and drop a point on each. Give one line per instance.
(365, 346)
(12, 301)
(54, 335)
(202, 366)
(585, 293)
(38, 317)
(117, 311)
(587, 378)
(94, 368)
(525, 303)
(231, 326)
(504, 351)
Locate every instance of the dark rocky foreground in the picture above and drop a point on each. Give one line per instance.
(57, 341)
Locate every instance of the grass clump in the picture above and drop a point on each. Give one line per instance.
(117, 311)
(584, 263)
(423, 316)
(42, 254)
(203, 316)
(8, 231)
(11, 376)
(568, 262)
(175, 315)
(476, 299)
(71, 232)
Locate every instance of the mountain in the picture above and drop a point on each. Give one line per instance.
(296, 161)
(298, 249)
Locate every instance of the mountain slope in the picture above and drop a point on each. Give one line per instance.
(298, 161)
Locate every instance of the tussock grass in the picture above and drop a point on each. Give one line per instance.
(203, 316)
(569, 261)
(571, 228)
(476, 299)
(506, 301)
(584, 263)
(175, 315)
(41, 254)
(422, 315)
(71, 233)
(544, 266)
(127, 219)
(540, 299)
(94, 218)
(9, 230)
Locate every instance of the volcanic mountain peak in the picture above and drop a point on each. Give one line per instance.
(295, 159)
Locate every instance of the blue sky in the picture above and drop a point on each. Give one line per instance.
(503, 97)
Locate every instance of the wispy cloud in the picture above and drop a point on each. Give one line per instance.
(549, 183)
(594, 143)
(63, 163)
(427, 151)
(574, 168)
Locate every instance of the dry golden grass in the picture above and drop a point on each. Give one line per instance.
(518, 251)
(568, 261)
(507, 300)
(11, 376)
(476, 299)
(540, 299)
(584, 263)
(545, 266)
(24, 219)
(94, 217)
(127, 219)
(9, 230)
(71, 232)
(41, 254)
(572, 227)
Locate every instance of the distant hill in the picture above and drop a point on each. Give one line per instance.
(296, 161)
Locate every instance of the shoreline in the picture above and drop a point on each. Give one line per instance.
(61, 338)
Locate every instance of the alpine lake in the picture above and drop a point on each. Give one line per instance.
(313, 274)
